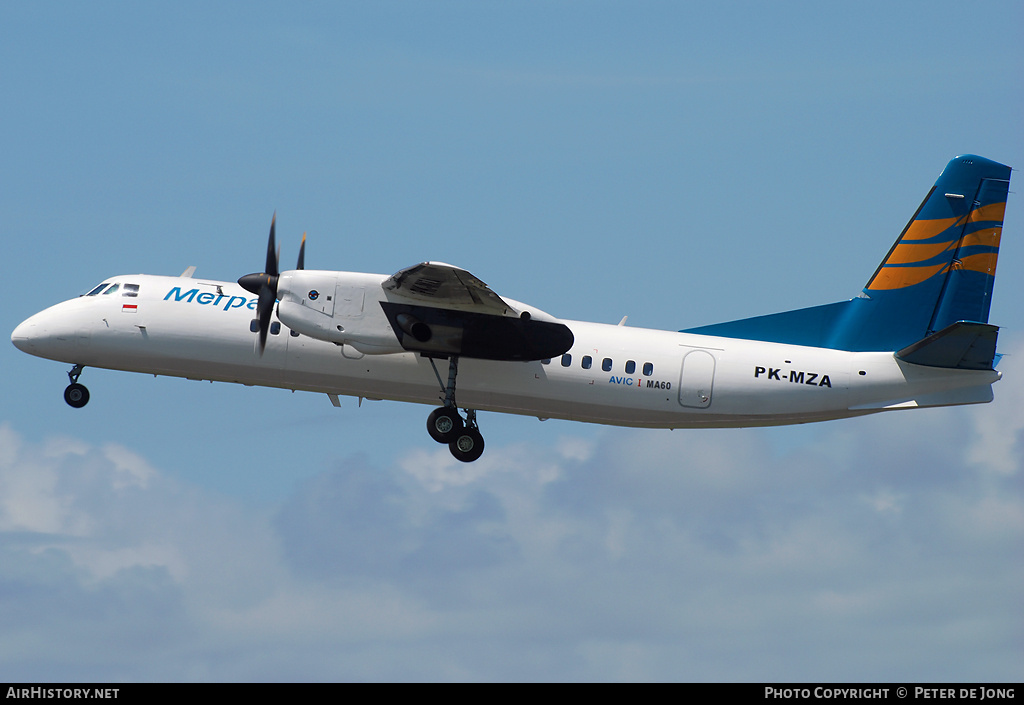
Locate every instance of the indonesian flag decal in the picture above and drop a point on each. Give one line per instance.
(130, 308)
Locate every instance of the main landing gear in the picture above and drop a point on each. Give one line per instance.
(76, 394)
(445, 424)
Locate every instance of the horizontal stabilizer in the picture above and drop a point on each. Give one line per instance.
(962, 345)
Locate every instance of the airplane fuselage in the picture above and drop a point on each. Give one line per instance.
(916, 336)
(619, 375)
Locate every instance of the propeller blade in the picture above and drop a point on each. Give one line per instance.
(264, 285)
(264, 309)
(253, 283)
(272, 256)
(302, 253)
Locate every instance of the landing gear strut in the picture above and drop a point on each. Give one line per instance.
(445, 425)
(76, 394)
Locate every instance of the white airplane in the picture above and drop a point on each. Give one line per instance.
(917, 336)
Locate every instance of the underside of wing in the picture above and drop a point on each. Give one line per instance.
(441, 310)
(443, 332)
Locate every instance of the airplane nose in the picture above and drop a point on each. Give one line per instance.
(57, 333)
(23, 335)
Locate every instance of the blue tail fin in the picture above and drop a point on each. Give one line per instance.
(940, 271)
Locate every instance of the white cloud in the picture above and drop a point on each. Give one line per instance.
(641, 555)
(437, 469)
(885, 500)
(131, 468)
(998, 426)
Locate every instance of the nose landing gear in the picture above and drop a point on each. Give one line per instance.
(76, 395)
(445, 424)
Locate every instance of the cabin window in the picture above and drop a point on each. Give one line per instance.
(546, 361)
(254, 325)
(294, 333)
(111, 290)
(130, 290)
(630, 367)
(606, 364)
(648, 369)
(587, 361)
(275, 328)
(566, 360)
(98, 289)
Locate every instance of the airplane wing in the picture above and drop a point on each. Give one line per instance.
(437, 309)
(444, 286)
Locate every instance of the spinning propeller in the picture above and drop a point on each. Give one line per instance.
(264, 284)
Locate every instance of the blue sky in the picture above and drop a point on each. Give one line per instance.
(594, 159)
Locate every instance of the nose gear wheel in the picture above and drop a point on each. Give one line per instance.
(75, 394)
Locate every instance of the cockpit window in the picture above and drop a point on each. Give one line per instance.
(111, 290)
(98, 289)
(130, 290)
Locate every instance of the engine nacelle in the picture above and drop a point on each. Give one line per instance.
(329, 306)
(353, 309)
(368, 339)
